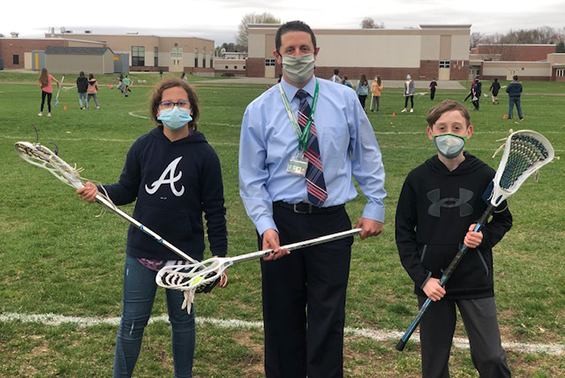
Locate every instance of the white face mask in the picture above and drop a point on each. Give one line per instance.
(449, 145)
(299, 69)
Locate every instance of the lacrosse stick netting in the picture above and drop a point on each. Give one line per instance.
(525, 152)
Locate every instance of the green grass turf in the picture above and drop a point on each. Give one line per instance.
(57, 256)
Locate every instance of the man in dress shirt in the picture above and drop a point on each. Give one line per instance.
(304, 292)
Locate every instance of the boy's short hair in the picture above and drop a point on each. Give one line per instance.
(293, 26)
(158, 95)
(446, 106)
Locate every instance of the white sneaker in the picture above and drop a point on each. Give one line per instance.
(40, 114)
(403, 110)
(48, 114)
(411, 110)
(98, 107)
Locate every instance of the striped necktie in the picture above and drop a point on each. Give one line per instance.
(315, 183)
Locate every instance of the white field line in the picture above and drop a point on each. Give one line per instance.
(377, 335)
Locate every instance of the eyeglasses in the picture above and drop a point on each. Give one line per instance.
(169, 104)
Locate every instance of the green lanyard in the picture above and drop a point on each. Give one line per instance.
(302, 134)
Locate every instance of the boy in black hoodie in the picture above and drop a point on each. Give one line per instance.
(438, 205)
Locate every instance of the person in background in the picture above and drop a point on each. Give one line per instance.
(291, 199)
(184, 78)
(494, 89)
(362, 90)
(175, 177)
(45, 80)
(346, 81)
(476, 91)
(92, 91)
(409, 92)
(433, 86)
(514, 91)
(82, 86)
(127, 84)
(335, 78)
(376, 89)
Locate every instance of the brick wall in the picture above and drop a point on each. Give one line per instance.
(255, 67)
(14, 46)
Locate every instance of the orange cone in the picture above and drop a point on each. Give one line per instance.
(65, 107)
(505, 116)
(394, 114)
(110, 86)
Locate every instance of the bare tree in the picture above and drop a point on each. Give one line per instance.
(252, 18)
(476, 38)
(370, 23)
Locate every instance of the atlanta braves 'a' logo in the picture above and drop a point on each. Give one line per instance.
(168, 177)
(437, 203)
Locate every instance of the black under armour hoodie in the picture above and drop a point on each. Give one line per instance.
(434, 212)
(174, 183)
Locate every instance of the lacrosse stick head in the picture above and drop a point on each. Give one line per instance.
(525, 152)
(41, 156)
(201, 276)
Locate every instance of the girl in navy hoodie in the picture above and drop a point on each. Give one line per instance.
(175, 175)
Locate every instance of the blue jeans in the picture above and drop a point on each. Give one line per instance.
(511, 102)
(139, 294)
(82, 99)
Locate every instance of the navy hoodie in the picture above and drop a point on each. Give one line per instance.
(174, 183)
(435, 209)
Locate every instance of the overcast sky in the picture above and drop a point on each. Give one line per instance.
(218, 19)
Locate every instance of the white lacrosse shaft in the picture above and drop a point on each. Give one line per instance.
(43, 157)
(191, 276)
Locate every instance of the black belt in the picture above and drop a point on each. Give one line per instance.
(307, 208)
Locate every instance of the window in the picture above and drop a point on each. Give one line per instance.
(176, 53)
(195, 57)
(270, 62)
(204, 57)
(235, 67)
(560, 72)
(226, 67)
(156, 56)
(16, 60)
(444, 64)
(138, 55)
(211, 59)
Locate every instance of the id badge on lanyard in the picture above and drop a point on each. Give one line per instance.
(298, 164)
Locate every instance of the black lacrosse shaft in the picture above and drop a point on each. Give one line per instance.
(446, 275)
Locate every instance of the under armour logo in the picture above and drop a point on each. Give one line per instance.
(168, 177)
(437, 203)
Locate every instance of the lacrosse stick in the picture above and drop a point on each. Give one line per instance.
(58, 90)
(525, 152)
(192, 276)
(43, 157)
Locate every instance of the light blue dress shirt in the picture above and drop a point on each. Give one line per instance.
(347, 145)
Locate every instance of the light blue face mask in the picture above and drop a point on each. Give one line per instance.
(449, 145)
(175, 118)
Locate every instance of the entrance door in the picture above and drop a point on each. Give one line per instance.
(511, 72)
(443, 74)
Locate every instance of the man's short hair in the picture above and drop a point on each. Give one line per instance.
(446, 106)
(290, 27)
(515, 77)
(336, 71)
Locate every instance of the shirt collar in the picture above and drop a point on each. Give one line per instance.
(290, 90)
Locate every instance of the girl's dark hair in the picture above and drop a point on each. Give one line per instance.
(363, 80)
(43, 77)
(81, 74)
(90, 76)
(157, 96)
(379, 80)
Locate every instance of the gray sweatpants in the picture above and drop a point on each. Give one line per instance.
(436, 336)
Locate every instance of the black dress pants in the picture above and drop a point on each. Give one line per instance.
(304, 297)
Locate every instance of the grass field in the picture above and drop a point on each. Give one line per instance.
(58, 257)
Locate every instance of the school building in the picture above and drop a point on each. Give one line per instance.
(431, 51)
(151, 53)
